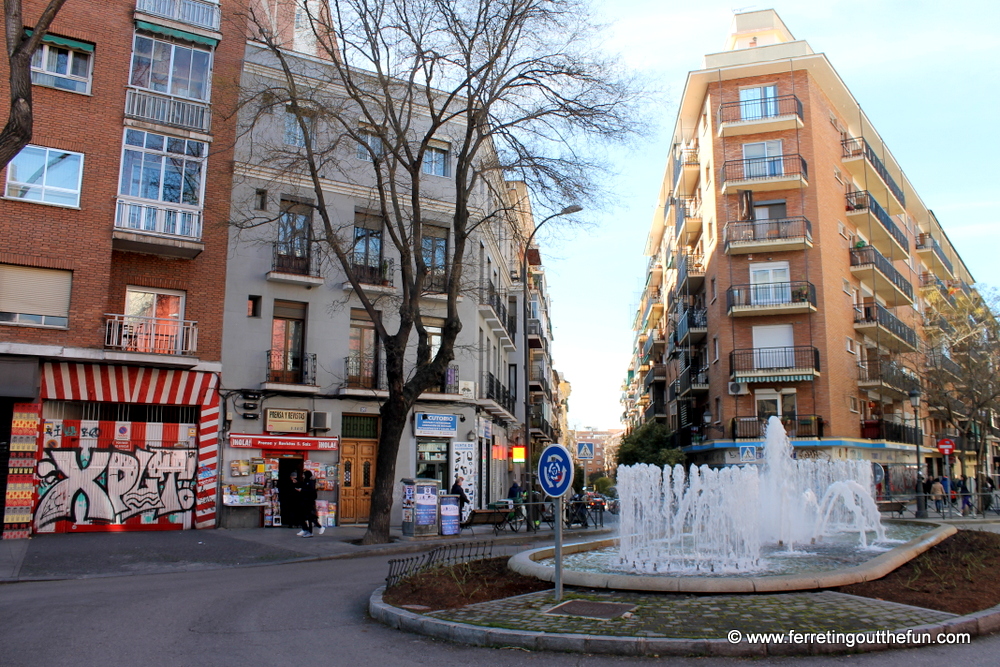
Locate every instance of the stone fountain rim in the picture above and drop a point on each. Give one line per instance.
(876, 568)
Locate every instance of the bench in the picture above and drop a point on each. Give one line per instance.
(891, 506)
(495, 518)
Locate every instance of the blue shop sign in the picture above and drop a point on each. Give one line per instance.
(427, 424)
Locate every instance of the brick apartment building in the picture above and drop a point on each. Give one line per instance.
(112, 269)
(790, 262)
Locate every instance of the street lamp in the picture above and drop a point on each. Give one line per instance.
(921, 499)
(573, 208)
(706, 418)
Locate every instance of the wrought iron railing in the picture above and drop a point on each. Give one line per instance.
(294, 257)
(150, 335)
(158, 218)
(691, 376)
(869, 255)
(887, 373)
(657, 408)
(198, 13)
(168, 110)
(656, 373)
(692, 318)
(764, 295)
(796, 426)
(539, 422)
(760, 109)
(452, 554)
(378, 273)
(862, 200)
(794, 357)
(930, 280)
(763, 168)
(494, 390)
(875, 313)
(768, 230)
(881, 429)
(491, 296)
(284, 367)
(689, 265)
(364, 371)
(926, 241)
(859, 146)
(539, 374)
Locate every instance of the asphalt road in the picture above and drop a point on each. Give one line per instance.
(296, 614)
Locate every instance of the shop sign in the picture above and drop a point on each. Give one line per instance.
(248, 441)
(281, 420)
(426, 424)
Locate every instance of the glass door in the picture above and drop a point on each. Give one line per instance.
(769, 284)
(762, 159)
(153, 321)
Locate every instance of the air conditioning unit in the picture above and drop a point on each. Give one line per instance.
(738, 389)
(319, 421)
(467, 388)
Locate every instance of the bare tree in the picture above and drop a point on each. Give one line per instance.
(962, 378)
(514, 88)
(16, 132)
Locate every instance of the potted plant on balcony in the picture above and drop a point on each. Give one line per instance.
(800, 293)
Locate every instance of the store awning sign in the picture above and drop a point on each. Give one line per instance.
(283, 420)
(427, 424)
(249, 441)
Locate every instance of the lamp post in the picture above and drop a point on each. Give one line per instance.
(573, 208)
(921, 498)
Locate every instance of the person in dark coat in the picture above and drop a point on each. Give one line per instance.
(288, 499)
(457, 490)
(307, 495)
(515, 491)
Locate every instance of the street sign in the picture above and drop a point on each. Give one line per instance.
(584, 450)
(748, 454)
(946, 446)
(555, 471)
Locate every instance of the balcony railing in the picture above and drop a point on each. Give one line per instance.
(880, 429)
(858, 146)
(929, 280)
(158, 218)
(796, 426)
(380, 272)
(657, 408)
(764, 108)
(656, 373)
(690, 377)
(887, 373)
(539, 375)
(937, 360)
(491, 296)
(927, 242)
(450, 385)
(198, 13)
(863, 200)
(802, 357)
(364, 371)
(763, 168)
(764, 231)
(690, 265)
(693, 318)
(151, 335)
(869, 255)
(284, 367)
(874, 313)
(167, 110)
(766, 295)
(540, 423)
(493, 390)
(294, 257)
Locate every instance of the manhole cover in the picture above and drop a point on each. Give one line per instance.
(590, 609)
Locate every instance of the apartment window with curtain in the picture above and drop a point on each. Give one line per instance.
(62, 63)
(366, 253)
(434, 247)
(363, 358)
(172, 69)
(288, 332)
(292, 252)
(756, 103)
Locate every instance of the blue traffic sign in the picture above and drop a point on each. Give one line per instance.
(584, 450)
(555, 471)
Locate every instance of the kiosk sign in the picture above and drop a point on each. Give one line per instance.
(555, 471)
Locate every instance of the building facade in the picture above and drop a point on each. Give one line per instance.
(790, 269)
(112, 264)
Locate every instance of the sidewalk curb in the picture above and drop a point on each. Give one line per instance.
(977, 624)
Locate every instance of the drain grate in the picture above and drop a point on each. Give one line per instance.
(589, 609)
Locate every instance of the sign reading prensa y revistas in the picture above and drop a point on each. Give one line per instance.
(283, 420)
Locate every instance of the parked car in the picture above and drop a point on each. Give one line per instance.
(596, 501)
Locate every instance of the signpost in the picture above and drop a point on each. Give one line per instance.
(947, 447)
(555, 475)
(584, 450)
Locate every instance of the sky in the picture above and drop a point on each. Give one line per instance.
(925, 73)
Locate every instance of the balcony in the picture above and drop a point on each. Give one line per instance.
(692, 326)
(867, 167)
(880, 228)
(653, 309)
(687, 218)
(686, 171)
(449, 385)
(742, 238)
(493, 308)
(881, 429)
(876, 322)
(762, 174)
(157, 228)
(197, 13)
(769, 114)
(656, 373)
(933, 255)
(797, 296)
(887, 378)
(379, 273)
(690, 272)
(292, 263)
(500, 400)
(151, 335)
(654, 343)
(796, 426)
(693, 381)
(656, 410)
(871, 266)
(540, 426)
(288, 372)
(536, 335)
(929, 281)
(364, 371)
(166, 110)
(938, 361)
(538, 378)
(774, 364)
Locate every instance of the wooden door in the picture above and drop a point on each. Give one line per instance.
(357, 479)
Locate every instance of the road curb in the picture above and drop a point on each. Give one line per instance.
(977, 624)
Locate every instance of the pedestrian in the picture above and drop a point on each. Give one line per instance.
(457, 490)
(987, 494)
(307, 489)
(937, 493)
(963, 489)
(288, 499)
(515, 491)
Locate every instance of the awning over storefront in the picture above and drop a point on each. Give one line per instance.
(774, 378)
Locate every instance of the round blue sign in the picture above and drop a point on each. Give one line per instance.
(555, 471)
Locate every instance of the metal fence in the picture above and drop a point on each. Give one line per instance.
(443, 556)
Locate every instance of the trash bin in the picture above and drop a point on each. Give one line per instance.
(420, 507)
(451, 519)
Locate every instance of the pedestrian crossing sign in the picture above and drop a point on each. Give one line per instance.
(748, 454)
(584, 450)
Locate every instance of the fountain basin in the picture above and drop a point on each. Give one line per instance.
(878, 566)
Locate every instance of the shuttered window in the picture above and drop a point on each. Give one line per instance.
(34, 296)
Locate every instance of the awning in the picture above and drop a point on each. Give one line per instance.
(774, 378)
(177, 34)
(64, 41)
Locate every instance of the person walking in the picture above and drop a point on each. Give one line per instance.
(963, 489)
(515, 491)
(937, 494)
(457, 490)
(288, 499)
(307, 489)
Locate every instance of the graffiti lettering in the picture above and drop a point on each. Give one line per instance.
(114, 485)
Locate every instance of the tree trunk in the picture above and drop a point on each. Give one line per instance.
(393, 413)
(17, 132)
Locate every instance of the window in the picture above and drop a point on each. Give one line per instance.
(435, 256)
(769, 402)
(358, 426)
(851, 345)
(769, 284)
(715, 348)
(762, 159)
(163, 168)
(253, 305)
(260, 200)
(363, 362)
(847, 286)
(292, 249)
(773, 346)
(172, 69)
(153, 321)
(285, 358)
(61, 67)
(293, 135)
(714, 292)
(369, 146)
(756, 103)
(367, 250)
(45, 175)
(434, 326)
(852, 403)
(436, 162)
(34, 297)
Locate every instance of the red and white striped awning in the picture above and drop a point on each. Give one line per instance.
(126, 384)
